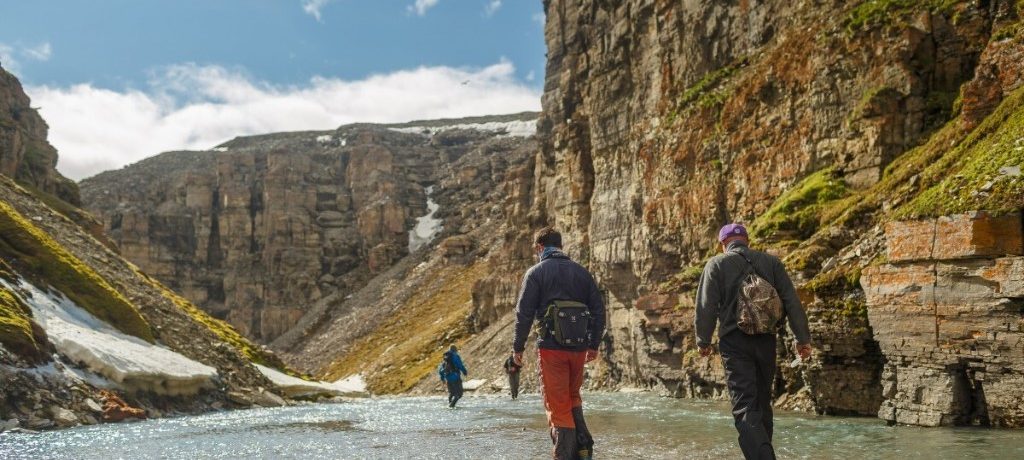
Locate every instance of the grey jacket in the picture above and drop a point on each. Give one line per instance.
(556, 277)
(719, 288)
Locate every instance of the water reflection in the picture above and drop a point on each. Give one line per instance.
(625, 425)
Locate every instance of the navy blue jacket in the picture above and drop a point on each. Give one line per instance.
(556, 277)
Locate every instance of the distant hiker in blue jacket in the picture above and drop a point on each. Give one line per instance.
(450, 368)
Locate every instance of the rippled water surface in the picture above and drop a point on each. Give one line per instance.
(624, 425)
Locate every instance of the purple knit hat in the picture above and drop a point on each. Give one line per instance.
(730, 231)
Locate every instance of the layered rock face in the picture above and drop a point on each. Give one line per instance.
(946, 310)
(261, 229)
(25, 155)
(665, 120)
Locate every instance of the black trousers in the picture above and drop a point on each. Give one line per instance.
(454, 391)
(513, 384)
(749, 362)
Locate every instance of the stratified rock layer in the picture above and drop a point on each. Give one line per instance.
(947, 313)
(262, 229)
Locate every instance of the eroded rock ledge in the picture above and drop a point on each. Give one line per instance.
(947, 310)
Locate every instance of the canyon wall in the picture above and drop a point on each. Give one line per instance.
(25, 154)
(261, 229)
(814, 122)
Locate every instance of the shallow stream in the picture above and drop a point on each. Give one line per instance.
(625, 426)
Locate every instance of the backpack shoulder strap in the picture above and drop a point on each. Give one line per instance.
(750, 264)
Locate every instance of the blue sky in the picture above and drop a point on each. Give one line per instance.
(119, 80)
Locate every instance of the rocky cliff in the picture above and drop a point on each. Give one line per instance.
(84, 335)
(814, 122)
(826, 126)
(25, 155)
(264, 231)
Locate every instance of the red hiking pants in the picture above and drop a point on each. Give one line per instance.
(561, 376)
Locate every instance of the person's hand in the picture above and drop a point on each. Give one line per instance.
(591, 355)
(517, 358)
(804, 350)
(705, 351)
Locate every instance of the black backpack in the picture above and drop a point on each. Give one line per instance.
(449, 364)
(568, 322)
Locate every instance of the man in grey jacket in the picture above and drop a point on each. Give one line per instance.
(749, 360)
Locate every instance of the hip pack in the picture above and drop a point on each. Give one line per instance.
(758, 305)
(568, 323)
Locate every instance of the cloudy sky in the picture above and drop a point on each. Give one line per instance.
(121, 80)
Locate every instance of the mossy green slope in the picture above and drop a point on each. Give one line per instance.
(798, 211)
(981, 173)
(35, 254)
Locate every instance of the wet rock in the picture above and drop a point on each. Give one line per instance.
(63, 417)
(268, 399)
(116, 409)
(240, 398)
(9, 424)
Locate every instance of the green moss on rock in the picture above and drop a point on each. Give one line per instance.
(874, 13)
(798, 212)
(37, 255)
(981, 172)
(17, 333)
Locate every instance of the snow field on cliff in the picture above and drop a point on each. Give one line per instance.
(517, 128)
(427, 226)
(129, 362)
(294, 387)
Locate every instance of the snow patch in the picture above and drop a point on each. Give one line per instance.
(128, 361)
(473, 385)
(353, 384)
(296, 387)
(427, 227)
(220, 149)
(517, 128)
(325, 139)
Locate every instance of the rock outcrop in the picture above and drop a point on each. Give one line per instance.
(946, 310)
(813, 122)
(261, 229)
(25, 155)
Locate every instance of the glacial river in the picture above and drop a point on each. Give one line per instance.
(626, 426)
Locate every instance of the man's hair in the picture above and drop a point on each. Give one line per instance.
(548, 236)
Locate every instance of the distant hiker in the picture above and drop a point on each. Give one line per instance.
(512, 369)
(451, 371)
(747, 293)
(563, 298)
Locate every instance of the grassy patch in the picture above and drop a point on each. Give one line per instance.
(707, 92)
(17, 333)
(36, 254)
(408, 345)
(875, 13)
(977, 173)
(797, 213)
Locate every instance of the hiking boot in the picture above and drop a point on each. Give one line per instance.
(565, 444)
(584, 440)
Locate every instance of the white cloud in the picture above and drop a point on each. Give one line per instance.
(313, 7)
(11, 56)
(41, 52)
(538, 18)
(420, 7)
(492, 7)
(197, 107)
